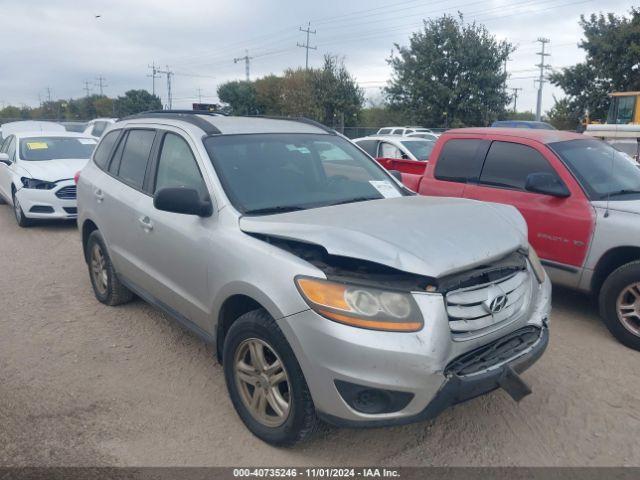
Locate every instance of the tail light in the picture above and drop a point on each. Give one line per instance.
(76, 177)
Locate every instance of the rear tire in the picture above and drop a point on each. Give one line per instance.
(620, 304)
(253, 386)
(18, 213)
(106, 286)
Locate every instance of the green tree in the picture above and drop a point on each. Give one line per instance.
(133, 101)
(452, 73)
(269, 93)
(612, 46)
(562, 116)
(240, 97)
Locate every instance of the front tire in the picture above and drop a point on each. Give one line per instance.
(620, 304)
(106, 286)
(265, 382)
(18, 213)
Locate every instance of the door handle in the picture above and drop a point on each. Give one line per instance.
(146, 223)
(99, 195)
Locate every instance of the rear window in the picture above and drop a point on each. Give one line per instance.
(369, 146)
(509, 164)
(103, 150)
(460, 160)
(135, 156)
(37, 149)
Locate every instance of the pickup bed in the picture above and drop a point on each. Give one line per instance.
(579, 197)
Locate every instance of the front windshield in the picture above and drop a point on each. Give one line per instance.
(420, 149)
(602, 170)
(37, 149)
(270, 173)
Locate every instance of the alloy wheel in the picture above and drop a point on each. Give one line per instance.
(628, 308)
(99, 269)
(263, 382)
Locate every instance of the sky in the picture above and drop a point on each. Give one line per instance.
(50, 48)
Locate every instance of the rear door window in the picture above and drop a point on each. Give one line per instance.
(508, 165)
(135, 157)
(461, 160)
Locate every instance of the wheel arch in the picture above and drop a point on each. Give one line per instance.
(231, 309)
(611, 261)
(88, 227)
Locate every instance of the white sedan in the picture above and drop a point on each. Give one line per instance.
(37, 171)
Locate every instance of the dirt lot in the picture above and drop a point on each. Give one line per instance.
(86, 384)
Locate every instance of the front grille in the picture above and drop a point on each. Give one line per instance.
(67, 193)
(496, 353)
(469, 309)
(71, 210)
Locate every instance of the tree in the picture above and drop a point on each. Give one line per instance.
(612, 46)
(269, 93)
(133, 101)
(452, 73)
(240, 97)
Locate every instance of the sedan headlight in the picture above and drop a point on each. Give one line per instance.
(538, 269)
(37, 184)
(363, 307)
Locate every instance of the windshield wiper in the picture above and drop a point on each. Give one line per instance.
(624, 191)
(354, 200)
(274, 209)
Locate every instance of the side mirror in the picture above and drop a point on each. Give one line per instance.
(396, 174)
(4, 158)
(182, 200)
(546, 184)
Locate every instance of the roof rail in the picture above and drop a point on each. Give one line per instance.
(306, 120)
(189, 116)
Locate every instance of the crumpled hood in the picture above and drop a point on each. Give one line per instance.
(431, 236)
(629, 206)
(53, 170)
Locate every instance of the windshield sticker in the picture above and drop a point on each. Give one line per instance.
(385, 188)
(87, 141)
(37, 145)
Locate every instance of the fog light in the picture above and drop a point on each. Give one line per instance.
(372, 400)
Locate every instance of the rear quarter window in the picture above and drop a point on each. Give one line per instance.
(460, 160)
(369, 146)
(105, 147)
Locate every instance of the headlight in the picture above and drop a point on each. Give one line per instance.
(37, 184)
(360, 306)
(538, 269)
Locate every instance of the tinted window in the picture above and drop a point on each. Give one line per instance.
(98, 128)
(135, 155)
(369, 146)
(104, 148)
(177, 166)
(385, 131)
(270, 173)
(36, 149)
(398, 131)
(509, 164)
(460, 160)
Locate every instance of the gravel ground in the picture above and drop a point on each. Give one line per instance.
(85, 384)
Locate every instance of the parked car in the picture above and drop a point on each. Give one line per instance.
(97, 126)
(36, 173)
(328, 289)
(523, 124)
(426, 135)
(402, 130)
(411, 153)
(7, 129)
(78, 127)
(579, 196)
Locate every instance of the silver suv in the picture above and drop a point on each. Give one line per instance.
(329, 290)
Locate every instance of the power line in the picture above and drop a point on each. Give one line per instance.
(169, 74)
(154, 75)
(543, 41)
(306, 46)
(247, 62)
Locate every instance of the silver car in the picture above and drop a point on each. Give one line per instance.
(330, 291)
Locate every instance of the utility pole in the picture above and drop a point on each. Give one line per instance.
(48, 94)
(154, 75)
(199, 95)
(247, 59)
(543, 41)
(306, 45)
(87, 90)
(515, 98)
(101, 84)
(169, 74)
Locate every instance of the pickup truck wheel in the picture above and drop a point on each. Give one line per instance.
(106, 286)
(620, 304)
(265, 382)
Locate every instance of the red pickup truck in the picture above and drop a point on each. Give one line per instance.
(579, 197)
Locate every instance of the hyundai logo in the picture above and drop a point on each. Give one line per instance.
(497, 303)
